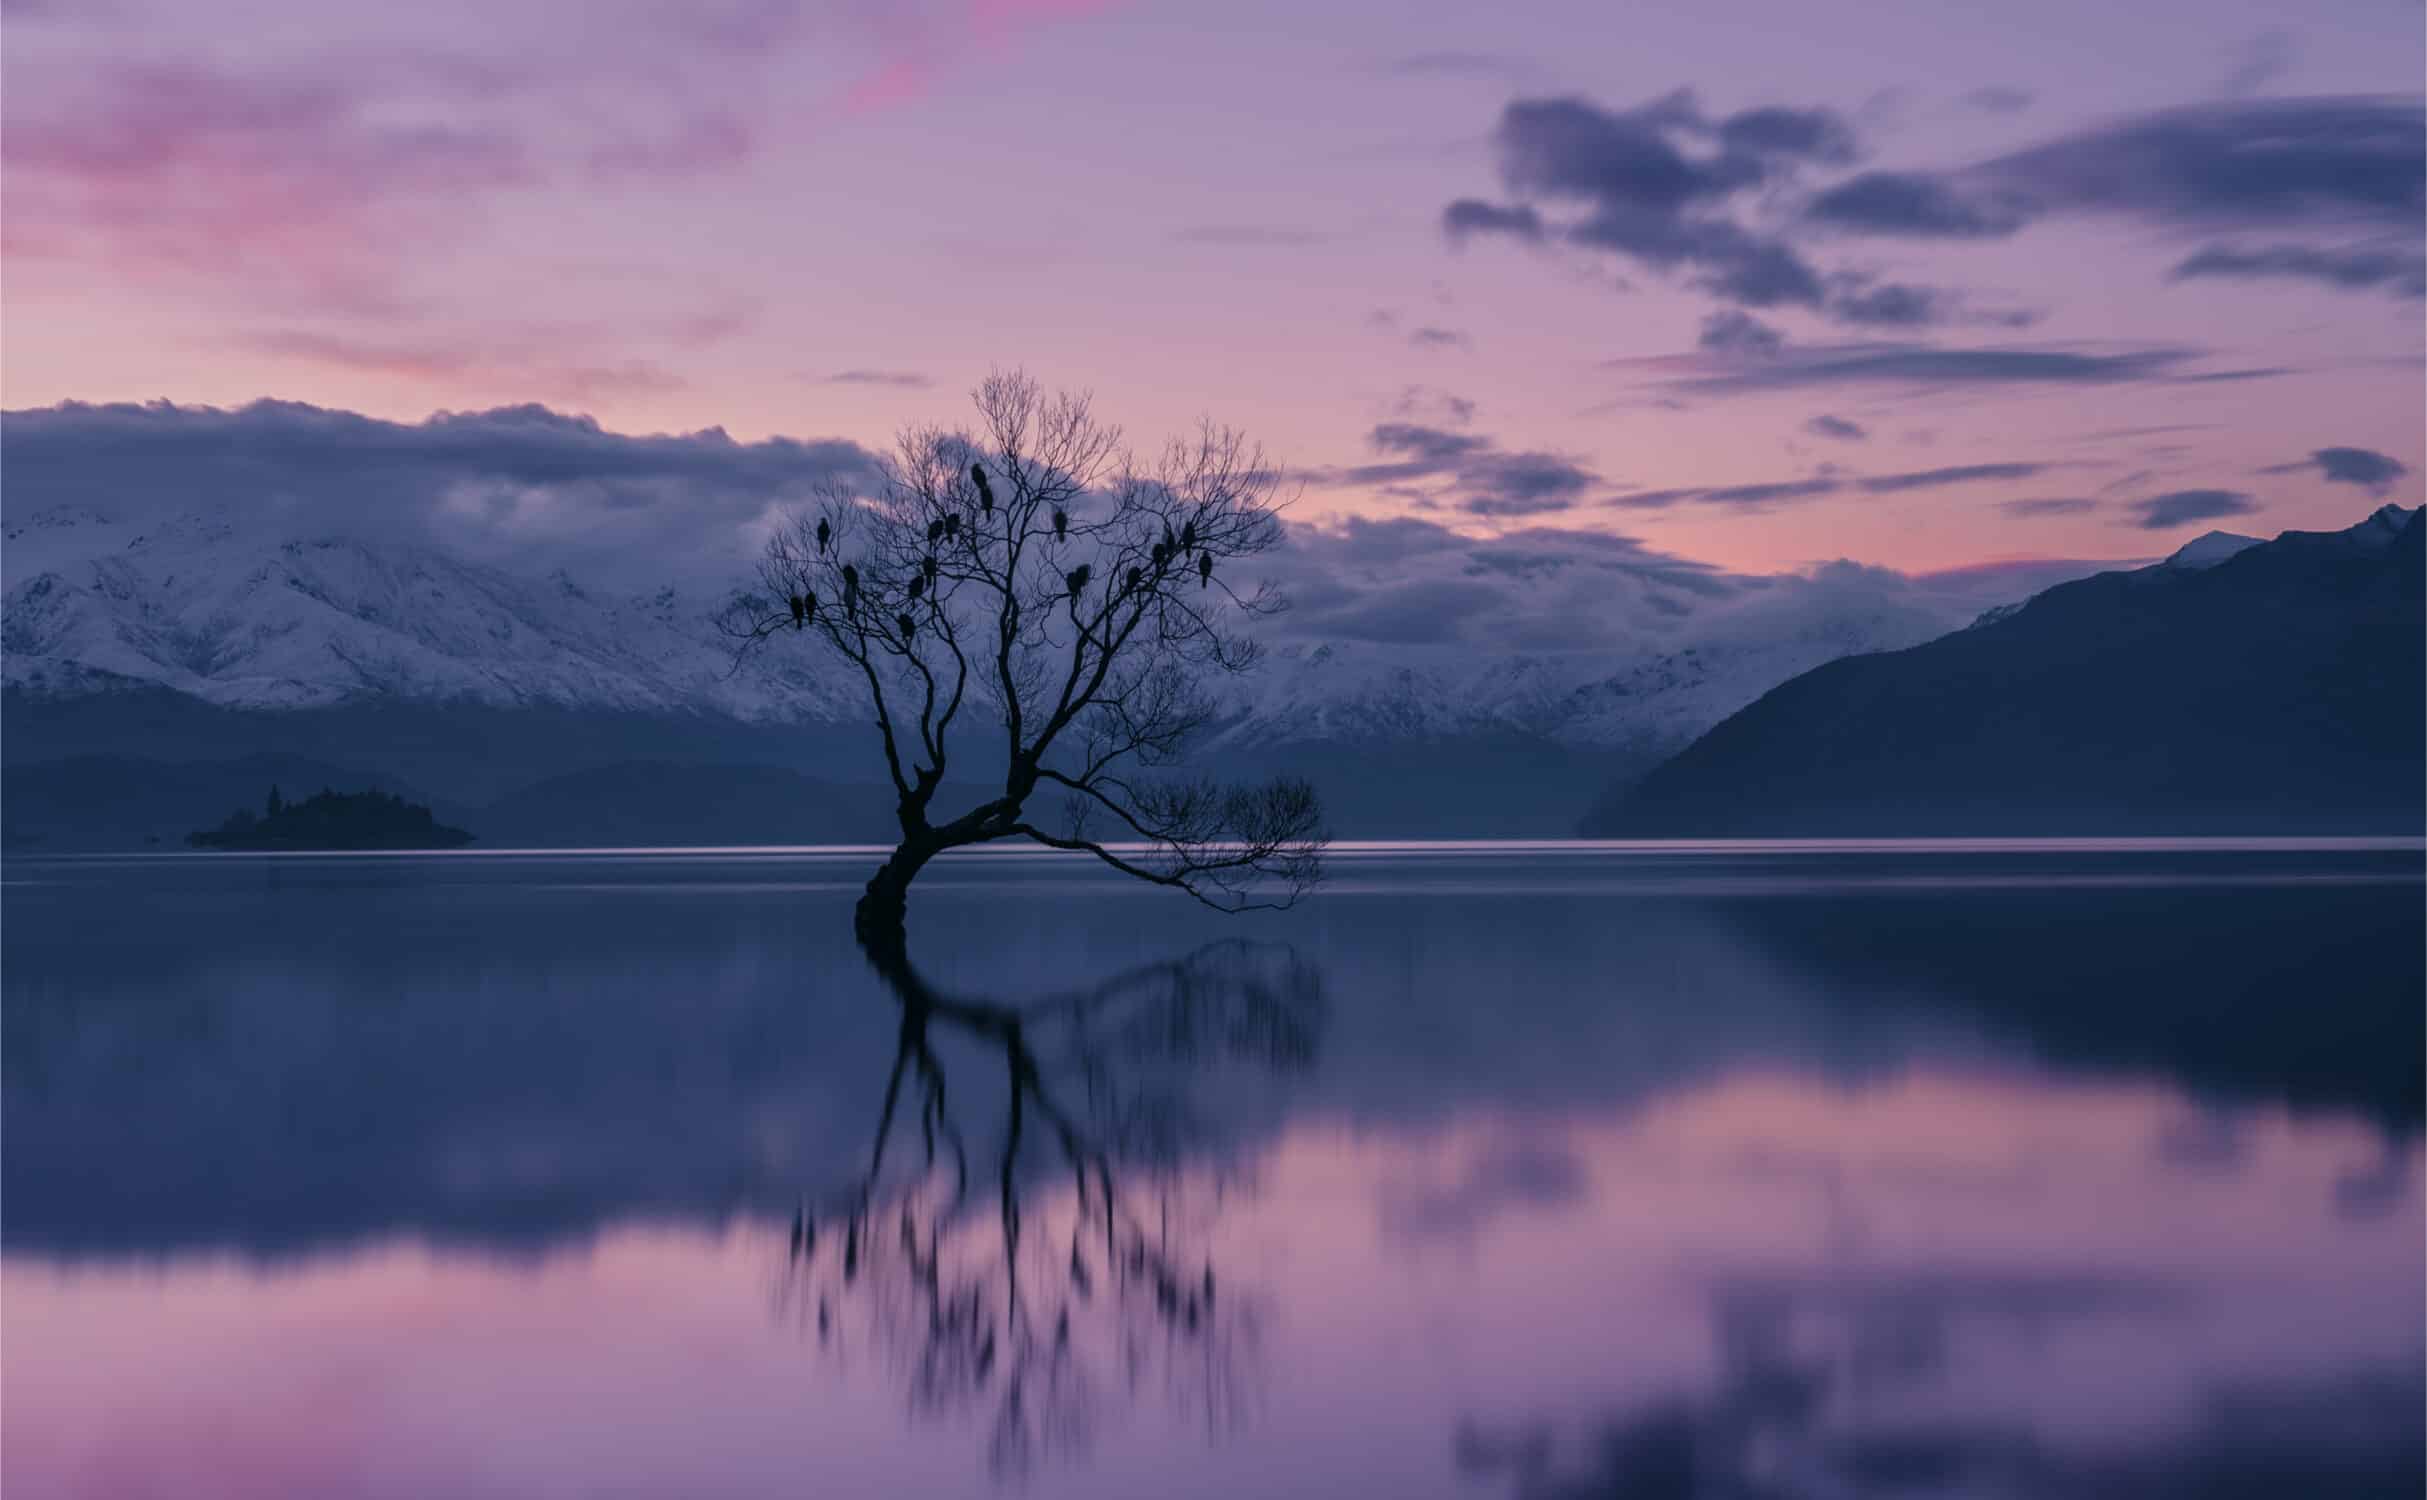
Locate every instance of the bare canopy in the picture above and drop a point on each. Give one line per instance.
(1082, 599)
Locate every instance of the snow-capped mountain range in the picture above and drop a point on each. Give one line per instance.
(247, 620)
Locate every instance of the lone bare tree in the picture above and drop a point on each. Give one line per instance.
(1083, 598)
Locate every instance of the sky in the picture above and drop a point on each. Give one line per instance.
(1759, 285)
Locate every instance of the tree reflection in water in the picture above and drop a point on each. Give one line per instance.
(1093, 1275)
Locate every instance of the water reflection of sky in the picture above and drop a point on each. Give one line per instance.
(2051, 1179)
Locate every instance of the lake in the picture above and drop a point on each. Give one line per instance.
(2070, 1168)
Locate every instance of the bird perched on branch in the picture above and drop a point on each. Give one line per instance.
(1077, 579)
(1204, 569)
(1061, 523)
(798, 612)
(906, 625)
(825, 534)
(851, 586)
(977, 476)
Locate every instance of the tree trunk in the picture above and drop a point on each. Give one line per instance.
(880, 921)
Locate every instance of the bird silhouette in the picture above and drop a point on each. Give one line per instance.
(825, 534)
(796, 611)
(1136, 577)
(906, 624)
(952, 524)
(1077, 579)
(1204, 569)
(935, 530)
(1061, 523)
(977, 475)
(1188, 536)
(851, 586)
(918, 584)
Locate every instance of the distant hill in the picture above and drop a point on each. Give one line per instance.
(132, 802)
(332, 820)
(2244, 688)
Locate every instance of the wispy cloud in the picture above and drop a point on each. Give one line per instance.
(1913, 366)
(905, 380)
(2400, 270)
(1466, 471)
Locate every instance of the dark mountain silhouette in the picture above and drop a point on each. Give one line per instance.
(332, 820)
(2277, 689)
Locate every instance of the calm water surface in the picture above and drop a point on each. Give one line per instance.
(1786, 1170)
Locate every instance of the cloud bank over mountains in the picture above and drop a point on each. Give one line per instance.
(524, 488)
(536, 493)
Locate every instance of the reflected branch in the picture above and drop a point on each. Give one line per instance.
(1095, 1275)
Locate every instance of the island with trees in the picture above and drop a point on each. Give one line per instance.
(333, 820)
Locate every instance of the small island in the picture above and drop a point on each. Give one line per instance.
(332, 820)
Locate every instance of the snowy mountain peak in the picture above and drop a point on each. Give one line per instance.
(2383, 525)
(2208, 549)
(251, 619)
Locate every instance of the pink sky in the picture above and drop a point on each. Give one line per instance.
(823, 220)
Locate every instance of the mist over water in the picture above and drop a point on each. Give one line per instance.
(2005, 1168)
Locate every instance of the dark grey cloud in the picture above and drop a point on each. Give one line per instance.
(1658, 185)
(1439, 338)
(2047, 507)
(1916, 204)
(1467, 471)
(1812, 134)
(2372, 471)
(2277, 163)
(2250, 162)
(1913, 366)
(1896, 304)
(1472, 216)
(1839, 428)
(907, 380)
(1732, 330)
(523, 485)
(2182, 507)
(2401, 271)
